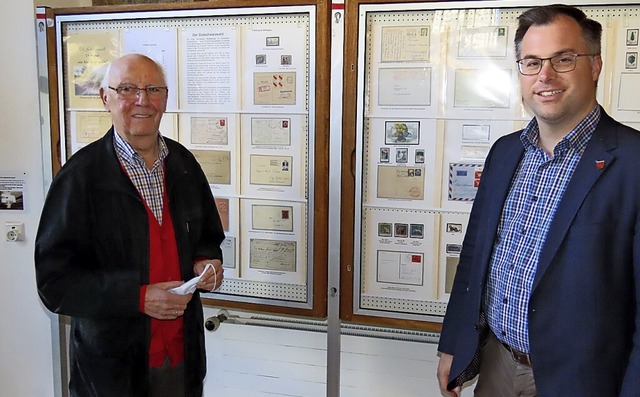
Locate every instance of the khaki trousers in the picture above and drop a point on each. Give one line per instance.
(500, 375)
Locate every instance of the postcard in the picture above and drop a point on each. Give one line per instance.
(209, 130)
(266, 131)
(400, 267)
(216, 165)
(277, 255)
(483, 42)
(405, 44)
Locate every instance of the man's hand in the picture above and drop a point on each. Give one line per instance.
(444, 368)
(212, 279)
(161, 304)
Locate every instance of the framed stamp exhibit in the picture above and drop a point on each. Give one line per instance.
(242, 83)
(436, 84)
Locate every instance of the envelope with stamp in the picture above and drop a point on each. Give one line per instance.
(272, 217)
(270, 170)
(400, 182)
(277, 88)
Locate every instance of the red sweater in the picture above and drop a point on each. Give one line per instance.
(167, 336)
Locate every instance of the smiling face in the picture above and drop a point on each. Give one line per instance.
(136, 119)
(559, 100)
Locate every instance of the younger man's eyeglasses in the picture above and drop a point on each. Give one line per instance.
(562, 63)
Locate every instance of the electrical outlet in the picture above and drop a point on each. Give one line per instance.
(14, 231)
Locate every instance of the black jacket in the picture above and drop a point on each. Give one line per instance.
(92, 256)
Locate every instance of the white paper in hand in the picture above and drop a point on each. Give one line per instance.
(190, 286)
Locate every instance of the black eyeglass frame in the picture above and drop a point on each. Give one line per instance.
(553, 66)
(136, 90)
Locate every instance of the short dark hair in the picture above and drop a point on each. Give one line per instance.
(543, 15)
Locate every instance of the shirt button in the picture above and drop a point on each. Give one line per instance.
(505, 300)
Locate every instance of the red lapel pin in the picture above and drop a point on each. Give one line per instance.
(600, 164)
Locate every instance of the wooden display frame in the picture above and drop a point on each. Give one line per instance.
(615, 94)
(316, 254)
(351, 74)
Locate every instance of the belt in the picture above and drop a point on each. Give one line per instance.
(518, 356)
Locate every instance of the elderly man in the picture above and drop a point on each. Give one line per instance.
(127, 219)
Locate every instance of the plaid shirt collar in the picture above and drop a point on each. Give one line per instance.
(127, 153)
(577, 138)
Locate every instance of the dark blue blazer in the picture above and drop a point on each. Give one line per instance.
(583, 311)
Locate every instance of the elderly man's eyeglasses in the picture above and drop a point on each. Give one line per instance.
(130, 91)
(560, 63)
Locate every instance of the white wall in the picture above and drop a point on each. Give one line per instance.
(252, 361)
(25, 329)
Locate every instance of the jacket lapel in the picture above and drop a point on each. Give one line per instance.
(110, 175)
(506, 164)
(595, 160)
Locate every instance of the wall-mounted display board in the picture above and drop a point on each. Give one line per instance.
(242, 97)
(435, 84)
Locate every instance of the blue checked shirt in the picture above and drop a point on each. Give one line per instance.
(536, 190)
(149, 182)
